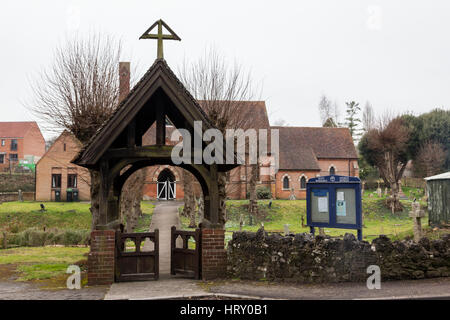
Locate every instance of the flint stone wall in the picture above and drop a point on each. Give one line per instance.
(308, 259)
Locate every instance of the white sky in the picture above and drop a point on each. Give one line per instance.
(394, 53)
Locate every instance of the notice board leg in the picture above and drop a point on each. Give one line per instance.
(360, 234)
(312, 230)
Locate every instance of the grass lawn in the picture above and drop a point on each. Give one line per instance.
(18, 216)
(377, 218)
(49, 264)
(40, 263)
(143, 223)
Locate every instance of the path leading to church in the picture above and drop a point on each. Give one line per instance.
(165, 215)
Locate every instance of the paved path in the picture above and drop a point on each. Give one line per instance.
(165, 215)
(14, 290)
(438, 288)
(165, 288)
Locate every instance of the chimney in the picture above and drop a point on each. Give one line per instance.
(124, 82)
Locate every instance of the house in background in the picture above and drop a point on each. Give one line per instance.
(308, 152)
(57, 179)
(20, 142)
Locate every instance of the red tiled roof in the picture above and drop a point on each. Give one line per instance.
(15, 129)
(254, 110)
(300, 147)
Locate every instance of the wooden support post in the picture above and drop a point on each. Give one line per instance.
(103, 194)
(214, 196)
(131, 134)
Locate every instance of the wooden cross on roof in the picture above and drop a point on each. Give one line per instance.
(160, 36)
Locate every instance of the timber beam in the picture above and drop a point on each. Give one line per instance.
(146, 152)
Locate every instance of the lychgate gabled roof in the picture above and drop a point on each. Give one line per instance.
(159, 82)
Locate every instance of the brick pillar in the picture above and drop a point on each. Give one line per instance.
(101, 257)
(214, 256)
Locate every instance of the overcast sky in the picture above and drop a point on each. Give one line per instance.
(393, 53)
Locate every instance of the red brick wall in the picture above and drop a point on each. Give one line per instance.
(214, 256)
(57, 161)
(101, 257)
(34, 143)
(31, 144)
(150, 186)
(343, 167)
(7, 150)
(294, 182)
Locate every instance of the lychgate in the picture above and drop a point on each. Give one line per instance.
(116, 151)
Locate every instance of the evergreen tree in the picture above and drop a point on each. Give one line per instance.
(352, 120)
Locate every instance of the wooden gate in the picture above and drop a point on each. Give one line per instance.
(137, 256)
(186, 260)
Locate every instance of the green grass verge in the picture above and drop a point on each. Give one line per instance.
(39, 263)
(19, 216)
(143, 223)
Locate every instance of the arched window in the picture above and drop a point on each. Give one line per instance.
(286, 182)
(303, 183)
(332, 171)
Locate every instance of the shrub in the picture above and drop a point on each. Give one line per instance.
(72, 237)
(34, 238)
(263, 193)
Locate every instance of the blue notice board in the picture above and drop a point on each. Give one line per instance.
(334, 202)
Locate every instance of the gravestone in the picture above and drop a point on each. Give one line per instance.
(322, 232)
(292, 196)
(286, 229)
(417, 214)
(379, 192)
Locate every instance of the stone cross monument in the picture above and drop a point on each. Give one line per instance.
(416, 213)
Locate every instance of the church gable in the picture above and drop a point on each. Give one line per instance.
(302, 148)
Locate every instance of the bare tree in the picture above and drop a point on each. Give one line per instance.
(430, 159)
(79, 92)
(221, 89)
(130, 199)
(189, 198)
(386, 147)
(50, 142)
(368, 117)
(328, 112)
